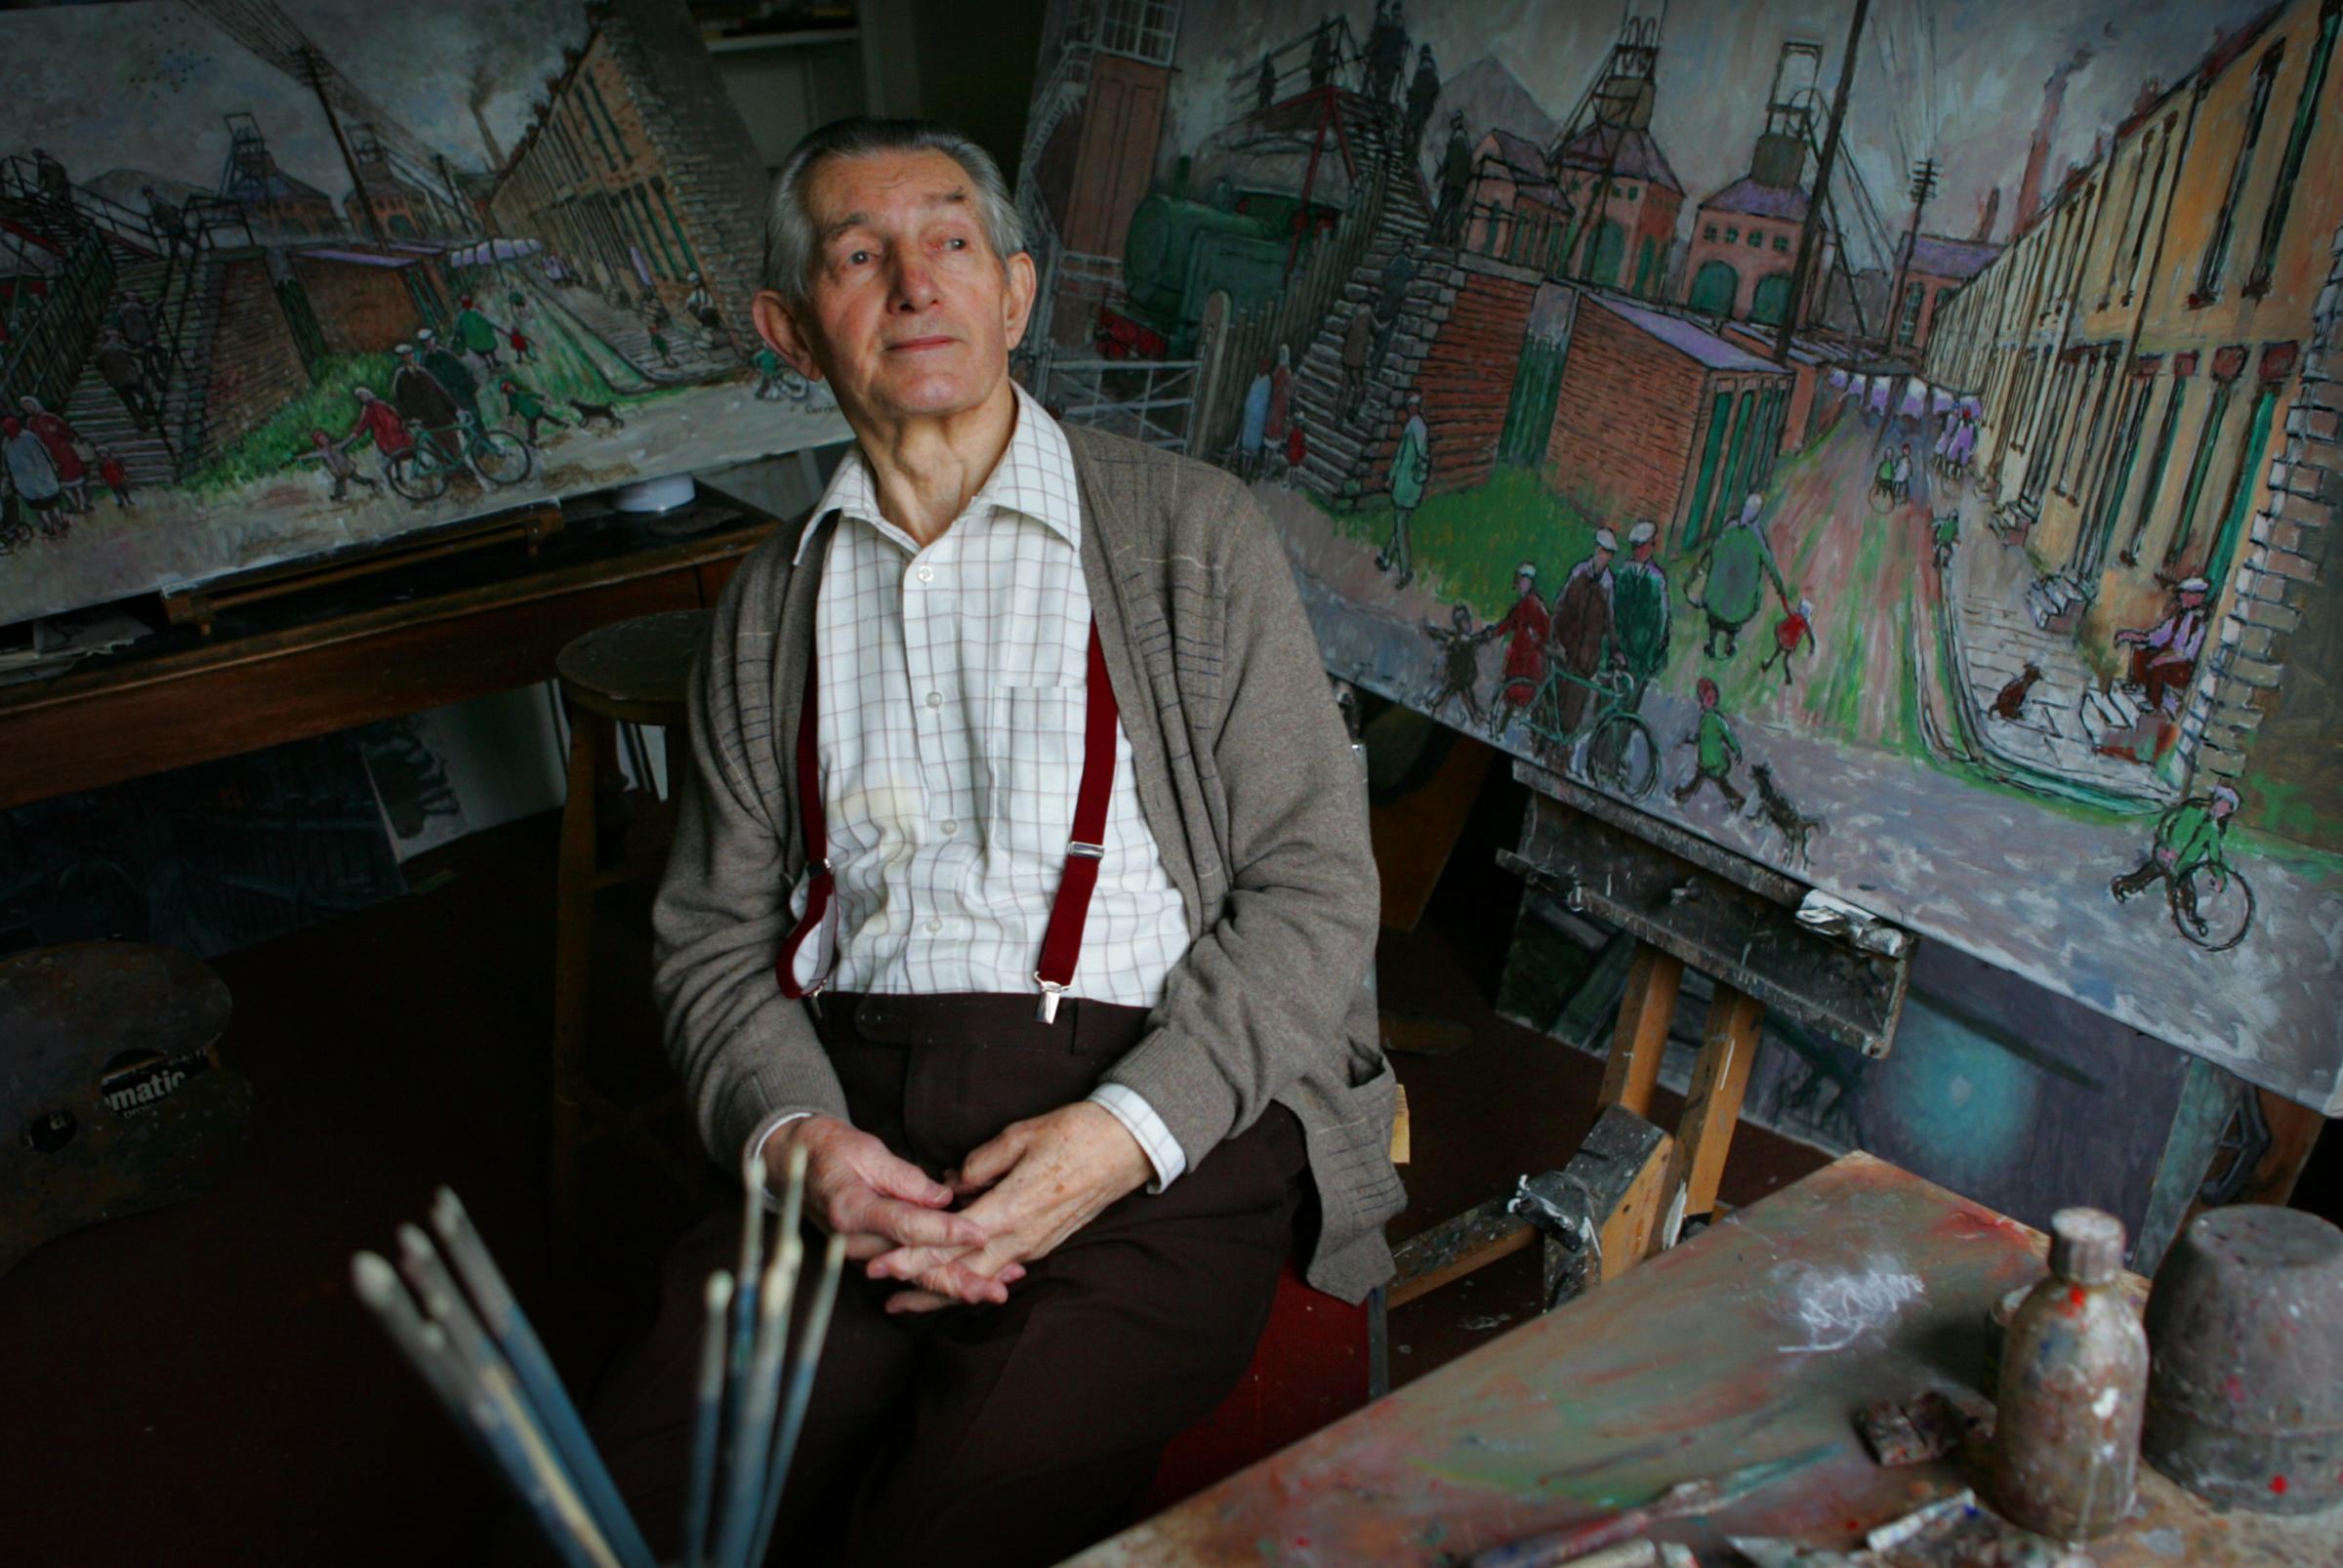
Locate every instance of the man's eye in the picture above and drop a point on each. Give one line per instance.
(957, 242)
(857, 258)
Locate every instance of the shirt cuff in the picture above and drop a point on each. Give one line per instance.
(1129, 1107)
(755, 1150)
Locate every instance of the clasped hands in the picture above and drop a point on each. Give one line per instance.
(1026, 1190)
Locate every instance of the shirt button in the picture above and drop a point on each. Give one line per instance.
(935, 925)
(950, 828)
(925, 573)
(935, 699)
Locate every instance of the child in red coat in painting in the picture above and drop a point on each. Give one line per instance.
(1789, 631)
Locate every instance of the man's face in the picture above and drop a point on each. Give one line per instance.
(2189, 598)
(1524, 583)
(910, 313)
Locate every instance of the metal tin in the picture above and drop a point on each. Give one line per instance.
(2246, 1398)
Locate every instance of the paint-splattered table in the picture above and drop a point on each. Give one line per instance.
(1758, 1339)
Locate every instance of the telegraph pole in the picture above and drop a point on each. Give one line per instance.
(313, 66)
(1803, 268)
(1923, 186)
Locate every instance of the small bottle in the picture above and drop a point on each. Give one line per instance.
(2073, 1386)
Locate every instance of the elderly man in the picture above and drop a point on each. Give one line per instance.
(1035, 673)
(2163, 656)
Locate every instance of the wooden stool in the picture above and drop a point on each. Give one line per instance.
(633, 673)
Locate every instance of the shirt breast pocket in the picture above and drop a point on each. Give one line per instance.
(1033, 769)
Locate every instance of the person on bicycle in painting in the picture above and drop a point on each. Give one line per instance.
(2188, 840)
(379, 419)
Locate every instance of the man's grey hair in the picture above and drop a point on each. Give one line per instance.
(791, 244)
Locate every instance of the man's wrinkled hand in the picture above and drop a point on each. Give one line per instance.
(1038, 1182)
(857, 1188)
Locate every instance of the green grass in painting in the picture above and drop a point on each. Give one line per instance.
(1468, 542)
(265, 451)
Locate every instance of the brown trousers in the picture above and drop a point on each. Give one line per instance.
(987, 1435)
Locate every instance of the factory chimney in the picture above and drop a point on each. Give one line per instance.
(1987, 211)
(2038, 156)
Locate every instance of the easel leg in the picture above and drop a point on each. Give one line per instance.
(1632, 1071)
(573, 939)
(1712, 1109)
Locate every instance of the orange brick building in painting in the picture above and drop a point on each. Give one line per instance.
(1658, 418)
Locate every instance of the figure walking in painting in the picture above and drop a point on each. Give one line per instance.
(1737, 564)
(2163, 656)
(1944, 532)
(335, 459)
(425, 406)
(1716, 750)
(116, 479)
(1459, 663)
(524, 404)
(1358, 346)
(1640, 608)
(1525, 626)
(1583, 630)
(451, 372)
(1455, 177)
(700, 306)
(770, 368)
(1423, 93)
(523, 351)
(1253, 428)
(119, 366)
(1386, 51)
(2188, 840)
(1902, 476)
(62, 442)
(380, 421)
(134, 318)
(1390, 300)
(34, 478)
(1325, 52)
(169, 224)
(1791, 630)
(1411, 472)
(479, 334)
(1298, 449)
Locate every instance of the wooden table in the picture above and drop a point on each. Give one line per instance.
(395, 643)
(1715, 1355)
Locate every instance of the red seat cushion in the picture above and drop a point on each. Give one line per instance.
(1311, 1368)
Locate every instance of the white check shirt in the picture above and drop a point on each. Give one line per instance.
(953, 693)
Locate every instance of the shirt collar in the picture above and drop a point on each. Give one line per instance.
(1034, 477)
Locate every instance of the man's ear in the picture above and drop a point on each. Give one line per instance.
(1016, 300)
(777, 325)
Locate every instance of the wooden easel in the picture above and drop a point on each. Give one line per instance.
(1681, 901)
(198, 606)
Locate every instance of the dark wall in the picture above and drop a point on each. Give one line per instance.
(976, 71)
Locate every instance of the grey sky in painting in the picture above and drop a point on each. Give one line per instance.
(1975, 109)
(145, 85)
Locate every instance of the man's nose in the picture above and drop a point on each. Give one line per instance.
(915, 281)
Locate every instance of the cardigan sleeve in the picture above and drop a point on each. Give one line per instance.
(1261, 996)
(745, 1051)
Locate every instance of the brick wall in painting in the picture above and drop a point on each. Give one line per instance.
(255, 365)
(1624, 420)
(1468, 375)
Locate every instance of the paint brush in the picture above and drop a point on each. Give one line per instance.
(1707, 1495)
(475, 1408)
(746, 1272)
(706, 1418)
(500, 1312)
(752, 1427)
(800, 1392)
(478, 1357)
